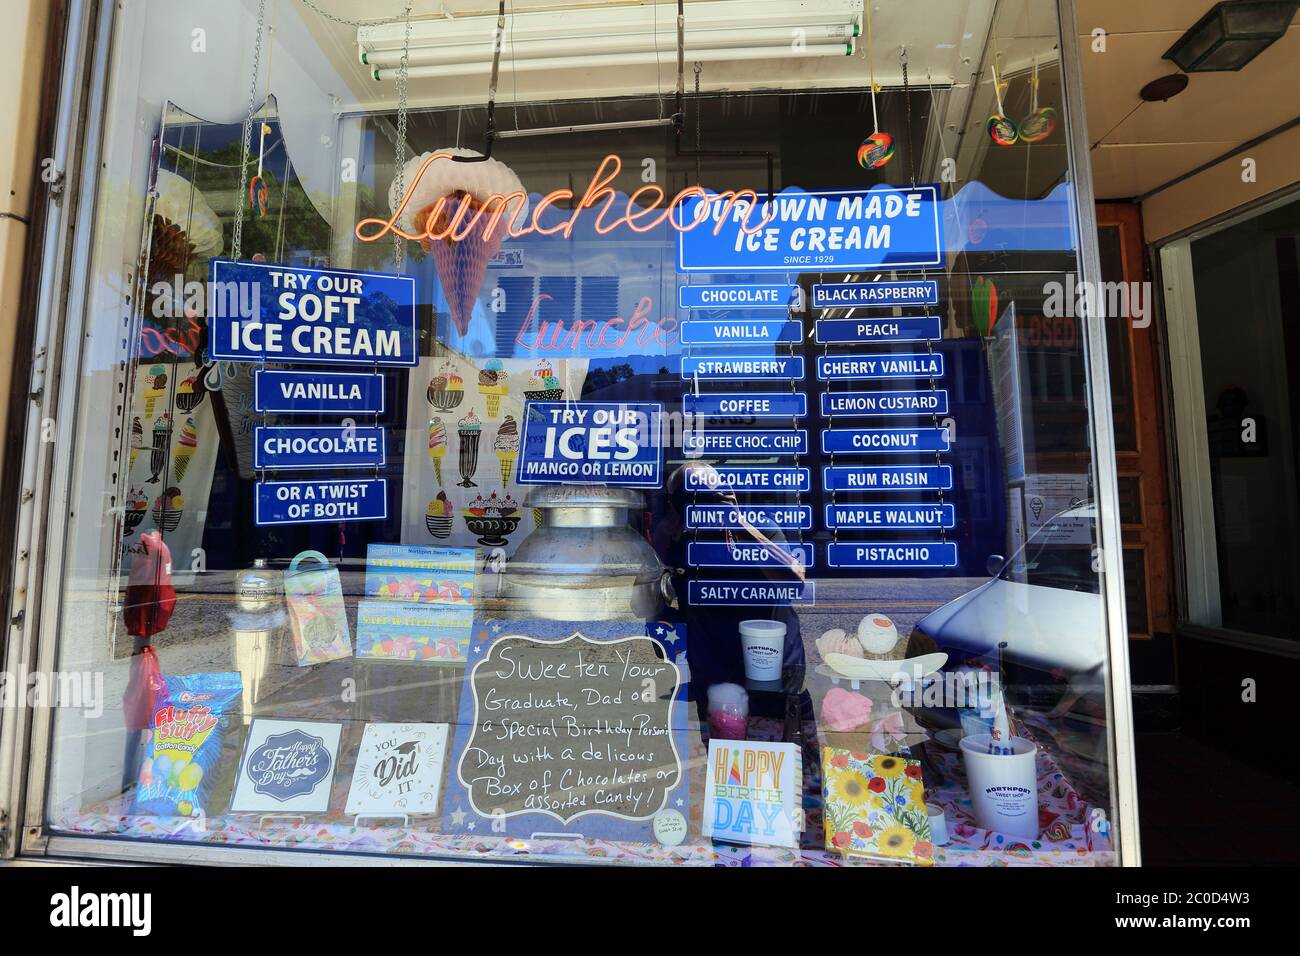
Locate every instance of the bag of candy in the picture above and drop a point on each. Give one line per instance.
(190, 716)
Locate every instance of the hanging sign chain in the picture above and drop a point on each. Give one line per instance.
(399, 161)
(907, 102)
(245, 139)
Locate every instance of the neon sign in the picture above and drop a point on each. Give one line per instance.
(612, 333)
(636, 217)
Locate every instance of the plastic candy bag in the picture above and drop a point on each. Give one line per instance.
(183, 746)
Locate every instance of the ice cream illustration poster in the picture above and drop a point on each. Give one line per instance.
(420, 575)
(465, 418)
(752, 793)
(171, 452)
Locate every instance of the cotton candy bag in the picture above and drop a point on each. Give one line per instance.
(190, 717)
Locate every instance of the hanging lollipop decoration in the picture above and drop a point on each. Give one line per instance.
(259, 196)
(1040, 122)
(1001, 129)
(878, 148)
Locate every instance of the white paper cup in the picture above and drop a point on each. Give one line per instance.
(938, 824)
(1003, 787)
(763, 645)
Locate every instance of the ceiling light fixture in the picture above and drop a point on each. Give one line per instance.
(595, 37)
(1232, 34)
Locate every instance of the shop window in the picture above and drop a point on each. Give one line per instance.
(762, 534)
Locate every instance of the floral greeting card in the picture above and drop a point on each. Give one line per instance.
(875, 807)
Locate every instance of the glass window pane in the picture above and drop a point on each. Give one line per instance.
(642, 494)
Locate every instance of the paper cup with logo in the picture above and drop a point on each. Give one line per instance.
(1003, 787)
(763, 645)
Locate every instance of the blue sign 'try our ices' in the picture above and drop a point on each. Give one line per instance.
(259, 311)
(613, 443)
(797, 231)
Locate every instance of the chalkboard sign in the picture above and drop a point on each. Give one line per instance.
(569, 734)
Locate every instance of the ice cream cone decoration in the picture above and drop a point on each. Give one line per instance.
(437, 446)
(506, 447)
(189, 393)
(471, 239)
(137, 506)
(543, 385)
(186, 446)
(438, 516)
(470, 431)
(137, 440)
(492, 385)
(167, 508)
(154, 388)
(184, 227)
(446, 389)
(162, 435)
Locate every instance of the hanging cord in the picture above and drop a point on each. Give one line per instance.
(997, 82)
(871, 71)
(679, 121)
(246, 137)
(490, 133)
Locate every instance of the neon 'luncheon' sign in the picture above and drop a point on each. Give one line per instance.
(635, 216)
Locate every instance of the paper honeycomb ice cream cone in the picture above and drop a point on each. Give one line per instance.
(462, 263)
(537, 517)
(449, 198)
